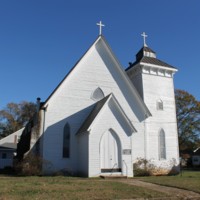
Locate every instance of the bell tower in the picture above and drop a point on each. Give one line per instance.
(153, 80)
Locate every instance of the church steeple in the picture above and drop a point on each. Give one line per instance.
(145, 51)
(147, 57)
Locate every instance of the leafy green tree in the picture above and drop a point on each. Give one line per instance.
(15, 116)
(188, 120)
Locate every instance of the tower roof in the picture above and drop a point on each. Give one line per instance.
(147, 56)
(144, 51)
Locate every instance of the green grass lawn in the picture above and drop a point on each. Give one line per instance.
(60, 187)
(189, 180)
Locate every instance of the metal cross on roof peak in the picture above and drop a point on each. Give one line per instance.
(100, 27)
(144, 38)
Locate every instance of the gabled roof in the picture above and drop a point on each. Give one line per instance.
(144, 110)
(44, 103)
(8, 146)
(96, 111)
(130, 86)
(92, 115)
(11, 138)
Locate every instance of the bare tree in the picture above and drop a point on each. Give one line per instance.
(15, 116)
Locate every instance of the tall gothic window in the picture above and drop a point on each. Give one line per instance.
(97, 94)
(159, 104)
(66, 141)
(162, 146)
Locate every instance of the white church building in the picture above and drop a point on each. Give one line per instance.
(101, 118)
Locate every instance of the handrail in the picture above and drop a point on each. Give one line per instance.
(126, 168)
(112, 169)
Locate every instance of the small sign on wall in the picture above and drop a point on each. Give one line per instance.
(127, 151)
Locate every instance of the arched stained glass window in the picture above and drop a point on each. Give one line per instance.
(162, 146)
(97, 94)
(66, 141)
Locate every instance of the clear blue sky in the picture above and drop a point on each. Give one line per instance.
(41, 40)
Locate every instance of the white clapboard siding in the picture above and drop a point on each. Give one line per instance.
(154, 86)
(72, 103)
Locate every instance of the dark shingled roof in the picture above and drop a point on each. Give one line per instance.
(95, 111)
(140, 57)
(145, 48)
(155, 61)
(140, 53)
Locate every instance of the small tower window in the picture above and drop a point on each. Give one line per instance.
(66, 141)
(159, 104)
(162, 146)
(97, 94)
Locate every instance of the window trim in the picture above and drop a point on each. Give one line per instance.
(66, 141)
(159, 105)
(98, 89)
(162, 149)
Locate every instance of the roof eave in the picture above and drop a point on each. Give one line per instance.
(47, 100)
(146, 111)
(111, 96)
(124, 114)
(159, 66)
(121, 111)
(84, 132)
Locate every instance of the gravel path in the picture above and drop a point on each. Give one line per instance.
(174, 192)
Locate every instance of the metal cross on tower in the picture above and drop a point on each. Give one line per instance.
(144, 38)
(100, 27)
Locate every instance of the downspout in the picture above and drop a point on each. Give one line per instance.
(42, 122)
(145, 139)
(132, 168)
(43, 109)
(43, 127)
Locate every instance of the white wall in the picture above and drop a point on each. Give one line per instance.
(136, 80)
(106, 121)
(154, 86)
(72, 103)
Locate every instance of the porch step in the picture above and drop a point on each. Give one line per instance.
(113, 176)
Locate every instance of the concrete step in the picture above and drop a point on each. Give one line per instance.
(113, 176)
